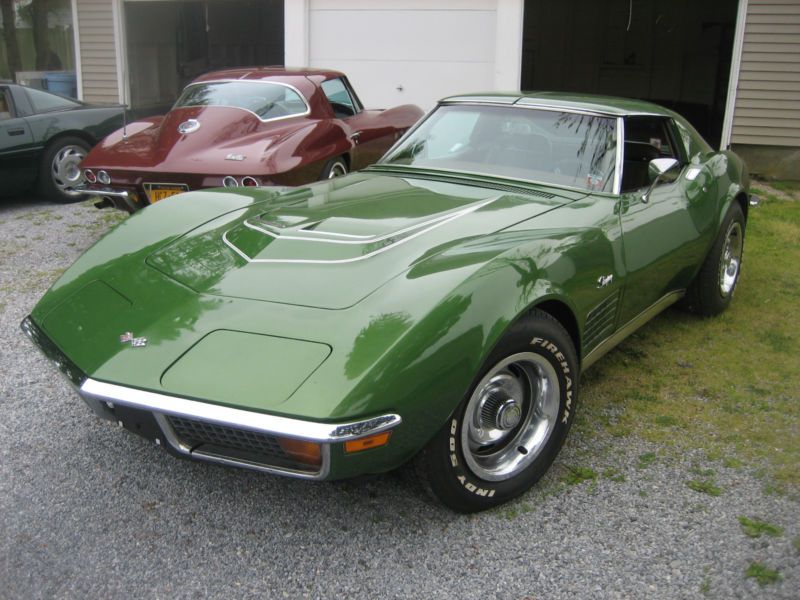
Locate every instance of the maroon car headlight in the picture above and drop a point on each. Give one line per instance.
(89, 175)
(229, 181)
(103, 177)
(248, 181)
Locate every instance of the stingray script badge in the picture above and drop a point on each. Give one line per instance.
(136, 342)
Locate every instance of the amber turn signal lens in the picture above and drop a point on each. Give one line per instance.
(365, 443)
(309, 453)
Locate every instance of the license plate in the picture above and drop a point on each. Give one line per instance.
(159, 191)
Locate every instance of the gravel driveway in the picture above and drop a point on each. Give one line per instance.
(91, 511)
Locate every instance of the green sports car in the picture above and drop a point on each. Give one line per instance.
(438, 306)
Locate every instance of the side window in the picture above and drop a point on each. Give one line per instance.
(5, 105)
(646, 138)
(338, 95)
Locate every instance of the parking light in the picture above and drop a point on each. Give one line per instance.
(371, 441)
(309, 453)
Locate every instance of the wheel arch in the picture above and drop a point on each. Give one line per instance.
(744, 203)
(561, 312)
(72, 133)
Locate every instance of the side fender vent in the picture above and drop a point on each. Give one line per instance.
(600, 322)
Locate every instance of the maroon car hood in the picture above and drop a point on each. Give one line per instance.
(225, 133)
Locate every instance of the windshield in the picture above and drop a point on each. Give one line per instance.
(564, 148)
(266, 100)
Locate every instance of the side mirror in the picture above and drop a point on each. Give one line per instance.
(656, 170)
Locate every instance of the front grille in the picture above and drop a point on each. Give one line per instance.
(194, 433)
(236, 444)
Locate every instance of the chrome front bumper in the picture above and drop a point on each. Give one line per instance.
(103, 398)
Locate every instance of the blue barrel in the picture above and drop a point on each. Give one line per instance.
(62, 82)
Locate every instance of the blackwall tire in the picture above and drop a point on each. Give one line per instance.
(509, 428)
(712, 290)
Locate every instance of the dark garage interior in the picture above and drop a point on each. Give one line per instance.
(676, 53)
(171, 43)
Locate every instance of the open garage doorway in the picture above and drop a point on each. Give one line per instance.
(676, 53)
(171, 43)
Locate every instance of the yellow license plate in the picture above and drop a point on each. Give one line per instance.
(156, 193)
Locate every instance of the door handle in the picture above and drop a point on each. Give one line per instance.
(16, 132)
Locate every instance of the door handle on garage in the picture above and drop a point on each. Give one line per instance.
(16, 132)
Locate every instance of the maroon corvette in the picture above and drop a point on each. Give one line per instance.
(249, 127)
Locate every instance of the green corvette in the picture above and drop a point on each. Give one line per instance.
(438, 306)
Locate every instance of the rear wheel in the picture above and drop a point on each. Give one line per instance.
(336, 167)
(508, 430)
(60, 172)
(712, 290)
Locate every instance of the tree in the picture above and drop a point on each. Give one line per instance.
(45, 57)
(10, 34)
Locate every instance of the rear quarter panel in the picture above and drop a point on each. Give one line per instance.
(92, 124)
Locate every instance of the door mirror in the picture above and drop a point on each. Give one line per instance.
(658, 170)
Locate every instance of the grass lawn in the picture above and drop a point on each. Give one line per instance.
(730, 384)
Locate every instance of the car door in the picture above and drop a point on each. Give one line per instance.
(16, 145)
(15, 133)
(664, 232)
(370, 135)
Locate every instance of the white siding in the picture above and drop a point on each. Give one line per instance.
(767, 110)
(98, 50)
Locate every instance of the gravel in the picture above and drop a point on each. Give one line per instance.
(91, 511)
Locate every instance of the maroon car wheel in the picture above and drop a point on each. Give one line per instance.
(336, 167)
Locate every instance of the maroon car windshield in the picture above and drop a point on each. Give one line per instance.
(549, 146)
(267, 100)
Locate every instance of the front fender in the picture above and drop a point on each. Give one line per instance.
(419, 353)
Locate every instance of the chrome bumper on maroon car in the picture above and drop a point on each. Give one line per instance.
(118, 198)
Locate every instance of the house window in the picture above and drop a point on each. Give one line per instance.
(38, 44)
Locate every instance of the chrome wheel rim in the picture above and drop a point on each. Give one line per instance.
(731, 259)
(337, 170)
(65, 169)
(510, 416)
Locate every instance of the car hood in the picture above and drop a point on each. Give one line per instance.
(330, 245)
(224, 134)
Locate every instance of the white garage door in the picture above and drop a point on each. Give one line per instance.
(406, 51)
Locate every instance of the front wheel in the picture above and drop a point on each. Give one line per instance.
(508, 430)
(60, 171)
